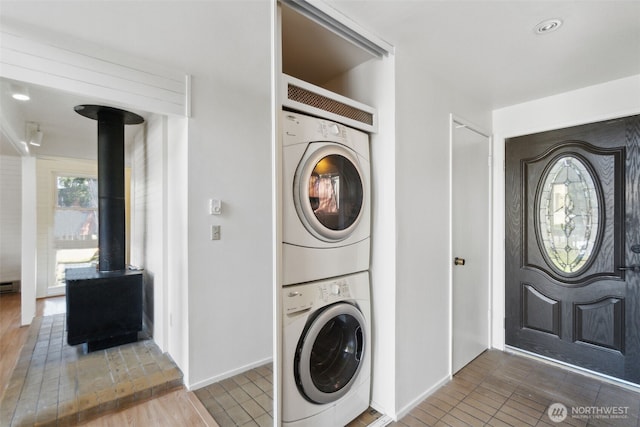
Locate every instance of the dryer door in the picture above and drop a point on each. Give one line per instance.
(330, 353)
(329, 191)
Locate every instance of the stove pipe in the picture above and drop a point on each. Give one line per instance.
(111, 202)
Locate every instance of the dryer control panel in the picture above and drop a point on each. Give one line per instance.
(330, 129)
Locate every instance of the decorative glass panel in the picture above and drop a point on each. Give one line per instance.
(568, 214)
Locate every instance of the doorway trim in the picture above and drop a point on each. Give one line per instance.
(29, 55)
(454, 122)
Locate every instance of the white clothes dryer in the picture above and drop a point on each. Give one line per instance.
(326, 199)
(326, 351)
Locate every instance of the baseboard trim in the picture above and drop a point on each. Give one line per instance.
(573, 368)
(215, 379)
(415, 402)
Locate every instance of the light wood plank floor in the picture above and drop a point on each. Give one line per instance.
(178, 408)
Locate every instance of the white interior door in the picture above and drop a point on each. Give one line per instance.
(471, 242)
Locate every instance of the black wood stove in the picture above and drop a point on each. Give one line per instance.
(104, 304)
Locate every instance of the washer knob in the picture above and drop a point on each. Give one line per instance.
(335, 288)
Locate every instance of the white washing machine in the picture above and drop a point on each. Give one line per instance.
(326, 351)
(326, 199)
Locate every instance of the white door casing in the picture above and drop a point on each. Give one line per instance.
(470, 241)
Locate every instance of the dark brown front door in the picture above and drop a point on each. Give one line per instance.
(573, 246)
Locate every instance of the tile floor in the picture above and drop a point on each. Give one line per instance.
(242, 400)
(54, 384)
(496, 389)
(501, 389)
(247, 400)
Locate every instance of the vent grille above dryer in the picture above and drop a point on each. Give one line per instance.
(305, 97)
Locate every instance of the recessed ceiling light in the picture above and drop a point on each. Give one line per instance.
(20, 97)
(19, 92)
(548, 26)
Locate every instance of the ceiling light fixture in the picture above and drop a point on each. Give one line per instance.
(34, 134)
(20, 93)
(547, 26)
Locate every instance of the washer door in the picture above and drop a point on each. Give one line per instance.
(330, 353)
(328, 191)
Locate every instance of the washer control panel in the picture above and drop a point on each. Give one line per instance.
(334, 290)
(297, 299)
(304, 297)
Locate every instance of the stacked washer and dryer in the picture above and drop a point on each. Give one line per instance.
(326, 339)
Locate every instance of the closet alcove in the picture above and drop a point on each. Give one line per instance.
(320, 46)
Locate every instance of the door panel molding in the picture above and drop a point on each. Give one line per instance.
(540, 312)
(588, 314)
(610, 192)
(600, 323)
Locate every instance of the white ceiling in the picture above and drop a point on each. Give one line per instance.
(65, 132)
(486, 48)
(489, 49)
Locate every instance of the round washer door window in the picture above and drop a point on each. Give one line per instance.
(329, 193)
(330, 353)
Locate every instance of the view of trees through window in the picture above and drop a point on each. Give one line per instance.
(76, 215)
(77, 192)
(75, 227)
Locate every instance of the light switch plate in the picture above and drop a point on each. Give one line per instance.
(215, 232)
(215, 206)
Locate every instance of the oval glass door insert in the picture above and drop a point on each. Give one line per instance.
(569, 215)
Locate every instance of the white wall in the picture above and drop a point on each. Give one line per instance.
(411, 219)
(229, 158)
(423, 105)
(148, 213)
(10, 217)
(373, 83)
(617, 98)
(29, 239)
(176, 320)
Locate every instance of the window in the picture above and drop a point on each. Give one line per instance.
(569, 216)
(75, 230)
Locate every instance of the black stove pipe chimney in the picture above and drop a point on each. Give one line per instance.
(111, 188)
(104, 306)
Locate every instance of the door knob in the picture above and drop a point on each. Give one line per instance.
(458, 261)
